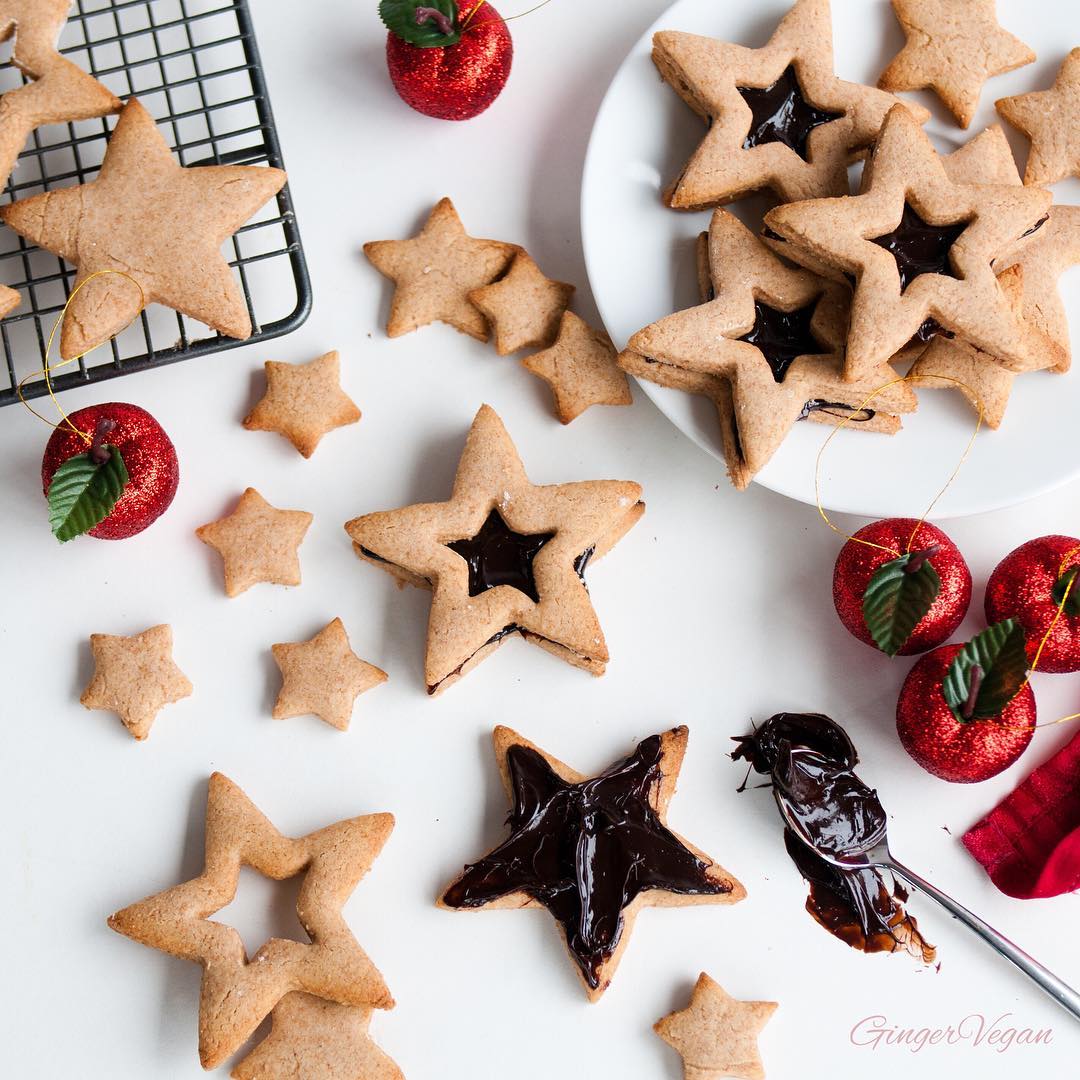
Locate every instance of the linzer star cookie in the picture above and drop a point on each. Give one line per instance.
(135, 677)
(238, 992)
(303, 402)
(920, 249)
(1051, 120)
(502, 557)
(323, 677)
(580, 368)
(524, 308)
(434, 273)
(952, 48)
(9, 300)
(593, 850)
(257, 542)
(716, 1035)
(778, 116)
(776, 333)
(149, 218)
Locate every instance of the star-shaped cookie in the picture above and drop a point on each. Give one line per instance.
(257, 542)
(149, 218)
(921, 250)
(524, 307)
(313, 1039)
(303, 402)
(323, 677)
(716, 1035)
(238, 992)
(777, 334)
(592, 850)
(952, 48)
(778, 116)
(135, 677)
(502, 556)
(1051, 119)
(9, 300)
(434, 273)
(580, 368)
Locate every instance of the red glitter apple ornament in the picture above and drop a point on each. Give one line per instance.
(966, 712)
(1029, 585)
(901, 603)
(113, 482)
(446, 60)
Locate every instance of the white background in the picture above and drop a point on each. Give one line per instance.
(716, 608)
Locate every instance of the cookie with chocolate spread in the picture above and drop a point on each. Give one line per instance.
(592, 850)
(778, 116)
(503, 557)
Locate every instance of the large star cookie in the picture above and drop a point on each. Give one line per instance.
(1051, 119)
(592, 850)
(147, 217)
(952, 48)
(776, 333)
(502, 556)
(778, 116)
(920, 249)
(434, 273)
(716, 1035)
(238, 992)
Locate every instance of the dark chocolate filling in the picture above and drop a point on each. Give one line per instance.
(782, 114)
(837, 408)
(783, 336)
(919, 247)
(497, 555)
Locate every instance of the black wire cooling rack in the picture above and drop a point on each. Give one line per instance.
(195, 66)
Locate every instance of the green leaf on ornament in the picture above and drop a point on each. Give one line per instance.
(898, 597)
(1000, 656)
(82, 493)
(1072, 602)
(427, 24)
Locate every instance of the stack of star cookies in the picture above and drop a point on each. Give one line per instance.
(947, 265)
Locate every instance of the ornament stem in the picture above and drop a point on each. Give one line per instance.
(99, 452)
(425, 15)
(919, 558)
(968, 710)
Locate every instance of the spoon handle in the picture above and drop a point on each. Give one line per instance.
(1060, 991)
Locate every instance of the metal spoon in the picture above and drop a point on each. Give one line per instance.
(878, 855)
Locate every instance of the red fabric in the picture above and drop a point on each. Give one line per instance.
(1029, 843)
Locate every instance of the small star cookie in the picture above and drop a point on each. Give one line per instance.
(434, 273)
(257, 542)
(135, 677)
(580, 368)
(303, 402)
(716, 1035)
(313, 1039)
(323, 677)
(1051, 119)
(502, 556)
(524, 308)
(952, 48)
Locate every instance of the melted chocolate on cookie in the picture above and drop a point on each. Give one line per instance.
(837, 408)
(782, 336)
(782, 114)
(920, 248)
(497, 555)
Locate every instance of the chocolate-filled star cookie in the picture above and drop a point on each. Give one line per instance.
(920, 249)
(502, 556)
(592, 850)
(778, 116)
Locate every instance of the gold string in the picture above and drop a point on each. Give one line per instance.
(505, 18)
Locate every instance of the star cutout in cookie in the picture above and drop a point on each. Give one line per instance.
(778, 116)
(477, 605)
(592, 850)
(952, 49)
(1051, 119)
(434, 273)
(150, 218)
(313, 1039)
(135, 677)
(716, 1035)
(777, 334)
(524, 308)
(581, 370)
(951, 287)
(257, 542)
(237, 992)
(323, 677)
(303, 402)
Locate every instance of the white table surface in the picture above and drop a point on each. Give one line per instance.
(716, 608)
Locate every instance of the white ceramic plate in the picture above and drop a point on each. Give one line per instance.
(640, 258)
